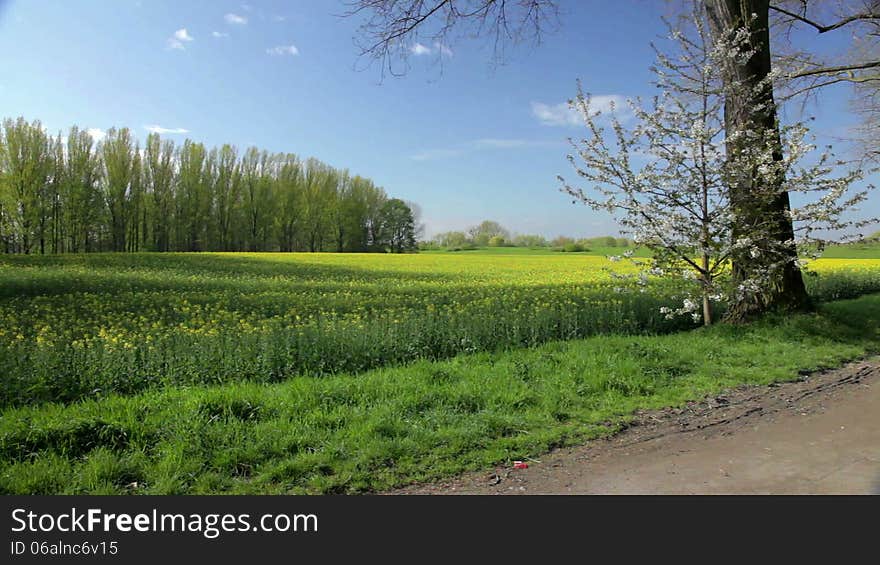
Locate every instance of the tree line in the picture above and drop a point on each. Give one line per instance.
(489, 233)
(74, 194)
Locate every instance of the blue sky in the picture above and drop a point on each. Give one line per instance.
(467, 140)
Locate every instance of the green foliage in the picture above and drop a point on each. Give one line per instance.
(423, 421)
(398, 227)
(497, 241)
(77, 195)
(481, 234)
(532, 241)
(26, 187)
(452, 239)
(573, 248)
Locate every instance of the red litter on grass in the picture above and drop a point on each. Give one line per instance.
(520, 465)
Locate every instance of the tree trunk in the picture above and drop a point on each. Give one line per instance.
(786, 290)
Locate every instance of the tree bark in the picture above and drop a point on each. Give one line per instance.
(786, 289)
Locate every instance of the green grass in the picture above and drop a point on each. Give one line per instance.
(392, 426)
(853, 251)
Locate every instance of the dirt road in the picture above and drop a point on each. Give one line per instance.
(819, 435)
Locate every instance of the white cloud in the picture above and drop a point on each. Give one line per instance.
(219, 34)
(418, 49)
(235, 19)
(279, 18)
(563, 115)
(96, 133)
(179, 39)
(159, 129)
(283, 50)
(556, 115)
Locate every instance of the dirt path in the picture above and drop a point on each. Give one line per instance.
(818, 435)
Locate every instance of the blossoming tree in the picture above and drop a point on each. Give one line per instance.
(667, 178)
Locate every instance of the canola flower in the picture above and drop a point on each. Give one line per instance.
(75, 326)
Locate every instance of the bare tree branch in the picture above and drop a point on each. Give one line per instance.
(826, 28)
(835, 70)
(806, 71)
(393, 30)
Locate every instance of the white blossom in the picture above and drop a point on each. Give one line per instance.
(677, 203)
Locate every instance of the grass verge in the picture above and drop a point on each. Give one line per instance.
(418, 422)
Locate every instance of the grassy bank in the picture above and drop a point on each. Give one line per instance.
(392, 426)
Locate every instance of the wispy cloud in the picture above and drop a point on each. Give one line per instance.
(563, 114)
(235, 19)
(179, 39)
(433, 154)
(418, 49)
(279, 18)
(159, 129)
(280, 50)
(97, 134)
(555, 115)
(484, 144)
(496, 143)
(219, 34)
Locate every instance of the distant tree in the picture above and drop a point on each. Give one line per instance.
(193, 198)
(561, 241)
(81, 198)
(121, 159)
(256, 198)
(398, 226)
(226, 196)
(27, 166)
(287, 200)
(374, 201)
(452, 239)
(68, 194)
(159, 176)
(486, 230)
(497, 241)
(524, 240)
